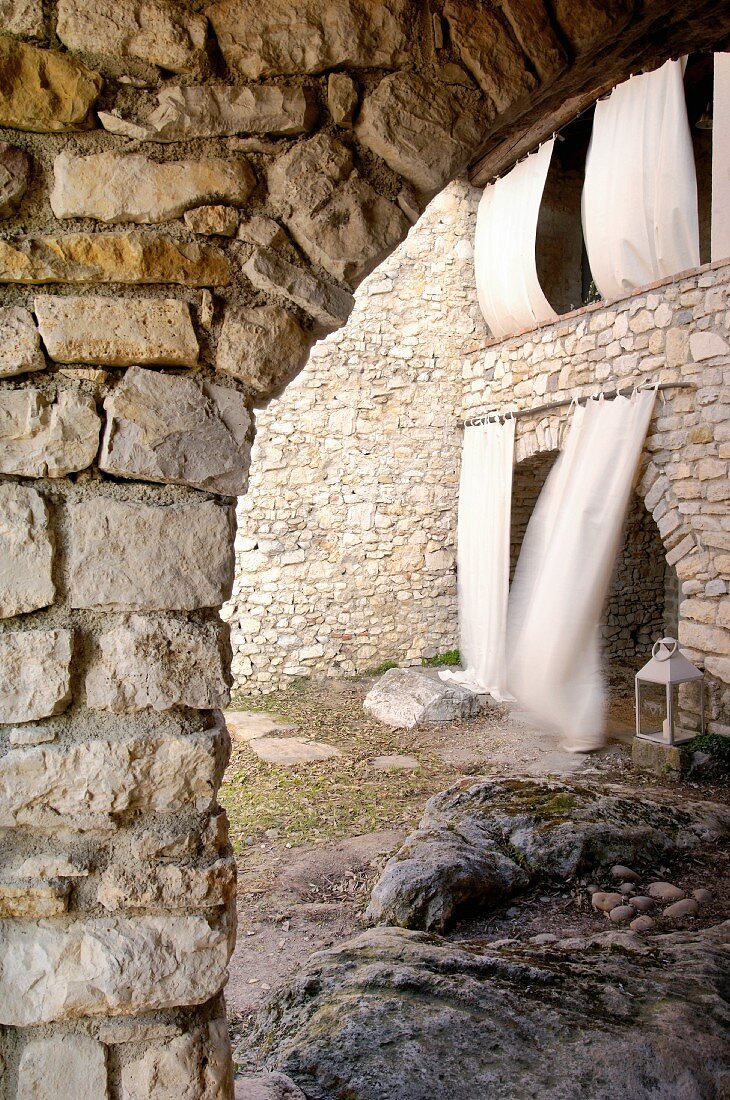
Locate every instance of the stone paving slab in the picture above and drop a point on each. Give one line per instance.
(245, 725)
(396, 763)
(291, 750)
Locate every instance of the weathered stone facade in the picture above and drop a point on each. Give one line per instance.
(353, 469)
(345, 545)
(115, 665)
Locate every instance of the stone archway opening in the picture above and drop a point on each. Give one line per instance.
(643, 600)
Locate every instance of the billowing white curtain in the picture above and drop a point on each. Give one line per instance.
(485, 499)
(565, 566)
(509, 291)
(720, 246)
(640, 219)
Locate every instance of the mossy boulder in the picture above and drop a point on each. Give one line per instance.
(479, 843)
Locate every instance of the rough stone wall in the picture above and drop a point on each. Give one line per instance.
(344, 551)
(187, 200)
(676, 331)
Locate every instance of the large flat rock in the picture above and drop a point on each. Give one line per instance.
(309, 37)
(141, 664)
(26, 551)
(117, 332)
(109, 965)
(20, 344)
(289, 751)
(118, 187)
(39, 438)
(425, 132)
(112, 258)
(115, 561)
(597, 1017)
(186, 112)
(44, 91)
(160, 32)
(405, 697)
(35, 671)
(166, 428)
(87, 782)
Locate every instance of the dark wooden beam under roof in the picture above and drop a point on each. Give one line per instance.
(662, 29)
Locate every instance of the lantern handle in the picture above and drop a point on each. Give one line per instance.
(670, 648)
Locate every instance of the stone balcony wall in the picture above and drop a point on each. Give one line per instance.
(676, 331)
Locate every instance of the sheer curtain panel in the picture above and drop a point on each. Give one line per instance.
(509, 291)
(565, 567)
(640, 219)
(485, 499)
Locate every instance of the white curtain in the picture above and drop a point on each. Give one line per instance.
(720, 247)
(509, 292)
(640, 219)
(485, 499)
(565, 566)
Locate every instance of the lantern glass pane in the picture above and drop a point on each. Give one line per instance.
(653, 708)
(689, 709)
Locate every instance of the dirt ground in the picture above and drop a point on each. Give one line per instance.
(311, 839)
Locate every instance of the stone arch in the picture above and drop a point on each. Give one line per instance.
(119, 903)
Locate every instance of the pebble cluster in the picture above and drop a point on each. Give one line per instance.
(628, 904)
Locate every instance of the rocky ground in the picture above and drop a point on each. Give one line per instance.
(306, 881)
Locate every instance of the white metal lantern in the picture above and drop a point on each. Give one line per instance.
(668, 666)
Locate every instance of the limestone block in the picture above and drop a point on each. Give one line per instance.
(112, 258)
(160, 32)
(142, 663)
(26, 551)
(264, 347)
(589, 22)
(14, 172)
(43, 439)
(33, 899)
(532, 26)
(337, 218)
(426, 133)
(87, 781)
(707, 345)
(72, 1065)
(281, 38)
(108, 966)
(262, 231)
(213, 221)
(165, 428)
(35, 671)
(341, 98)
(167, 1071)
(490, 51)
(44, 91)
(327, 304)
(20, 344)
(404, 697)
(186, 112)
(218, 1071)
(22, 16)
(139, 557)
(114, 187)
(117, 332)
(167, 886)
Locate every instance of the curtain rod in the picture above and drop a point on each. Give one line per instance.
(519, 414)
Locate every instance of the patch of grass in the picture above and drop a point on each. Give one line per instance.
(339, 797)
(451, 657)
(378, 670)
(715, 746)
